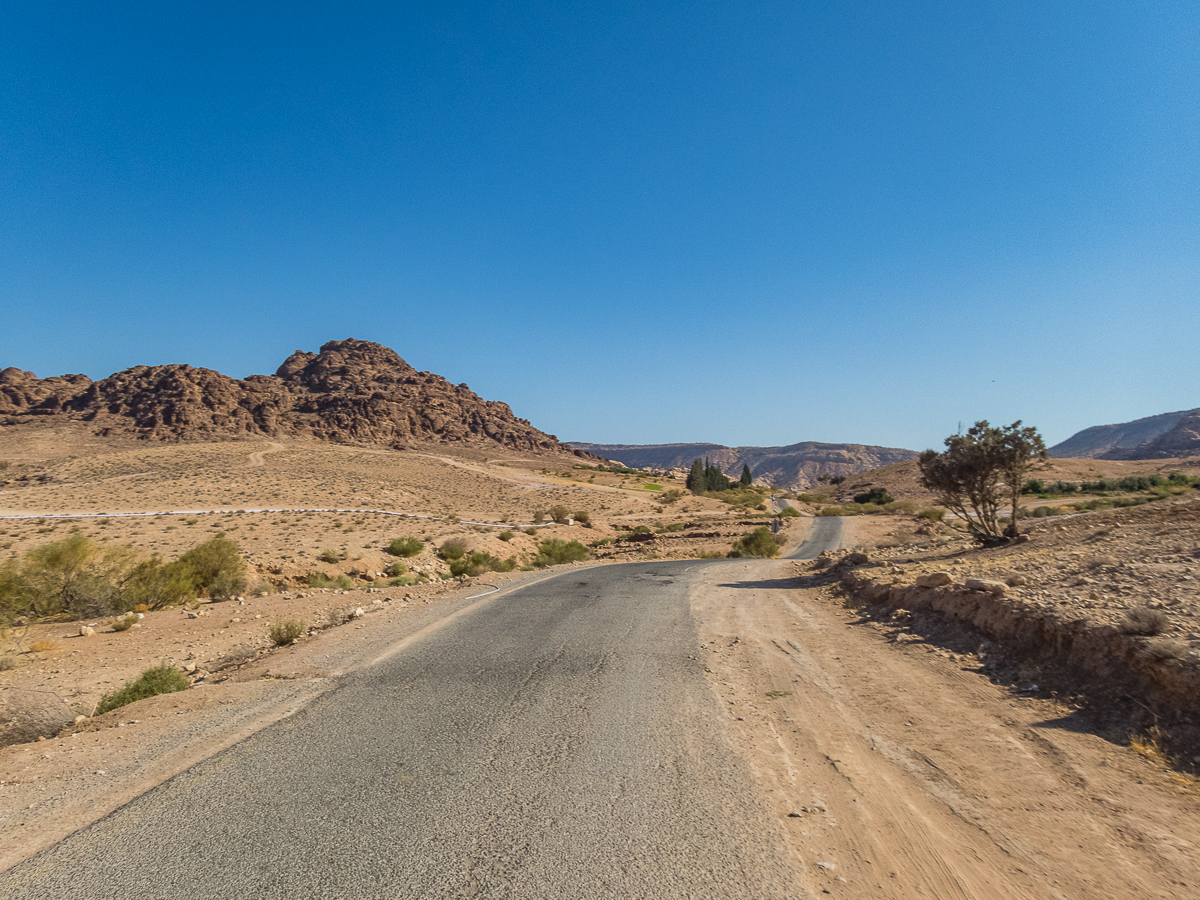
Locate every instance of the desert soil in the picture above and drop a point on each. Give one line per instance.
(914, 769)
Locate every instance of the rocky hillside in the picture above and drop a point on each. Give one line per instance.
(794, 466)
(351, 392)
(1129, 440)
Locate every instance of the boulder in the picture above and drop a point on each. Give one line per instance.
(28, 715)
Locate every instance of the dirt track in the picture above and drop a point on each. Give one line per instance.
(915, 776)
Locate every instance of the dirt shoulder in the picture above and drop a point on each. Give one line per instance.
(900, 769)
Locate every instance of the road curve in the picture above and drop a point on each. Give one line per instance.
(826, 534)
(559, 741)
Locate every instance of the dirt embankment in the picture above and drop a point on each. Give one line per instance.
(1098, 609)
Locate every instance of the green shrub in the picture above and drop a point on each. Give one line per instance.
(932, 513)
(789, 512)
(216, 568)
(758, 544)
(555, 552)
(479, 563)
(453, 549)
(395, 569)
(560, 514)
(329, 556)
(124, 623)
(877, 495)
(285, 631)
(406, 547)
(505, 536)
(152, 682)
(583, 517)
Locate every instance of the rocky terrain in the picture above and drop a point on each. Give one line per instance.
(352, 392)
(1154, 437)
(795, 466)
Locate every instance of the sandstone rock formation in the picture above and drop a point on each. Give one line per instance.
(351, 392)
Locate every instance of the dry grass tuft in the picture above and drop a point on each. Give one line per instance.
(1145, 621)
(43, 646)
(1163, 650)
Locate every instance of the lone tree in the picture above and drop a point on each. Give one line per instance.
(746, 478)
(969, 477)
(695, 479)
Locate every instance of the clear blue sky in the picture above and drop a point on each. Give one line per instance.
(749, 223)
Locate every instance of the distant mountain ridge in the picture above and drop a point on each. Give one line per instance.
(794, 466)
(1165, 436)
(351, 392)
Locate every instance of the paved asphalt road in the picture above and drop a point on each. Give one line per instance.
(826, 534)
(559, 741)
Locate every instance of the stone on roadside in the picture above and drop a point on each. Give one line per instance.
(982, 584)
(934, 579)
(86, 630)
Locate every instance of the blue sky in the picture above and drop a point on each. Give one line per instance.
(755, 223)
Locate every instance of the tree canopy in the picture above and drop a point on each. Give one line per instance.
(969, 477)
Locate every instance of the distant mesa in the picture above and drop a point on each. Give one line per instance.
(794, 466)
(1165, 436)
(350, 392)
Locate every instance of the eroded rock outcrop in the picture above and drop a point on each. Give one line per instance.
(351, 392)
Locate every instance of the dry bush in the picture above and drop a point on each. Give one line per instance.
(124, 623)
(285, 631)
(1145, 621)
(43, 646)
(1163, 649)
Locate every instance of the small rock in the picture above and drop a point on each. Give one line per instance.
(982, 584)
(827, 866)
(190, 668)
(794, 814)
(86, 631)
(934, 579)
(856, 559)
(1022, 539)
(1015, 580)
(358, 613)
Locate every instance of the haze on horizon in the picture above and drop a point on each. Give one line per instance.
(634, 223)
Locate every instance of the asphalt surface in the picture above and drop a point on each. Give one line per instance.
(826, 534)
(560, 740)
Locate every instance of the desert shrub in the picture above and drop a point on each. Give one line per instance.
(406, 547)
(1041, 512)
(453, 549)
(532, 532)
(45, 645)
(555, 552)
(1034, 486)
(877, 495)
(285, 631)
(124, 623)
(479, 563)
(758, 544)
(395, 569)
(505, 536)
(560, 514)
(1162, 650)
(75, 576)
(790, 512)
(154, 584)
(329, 556)
(671, 495)
(737, 498)
(321, 580)
(932, 514)
(641, 529)
(1145, 621)
(216, 567)
(539, 517)
(152, 682)
(583, 517)
(813, 498)
(601, 542)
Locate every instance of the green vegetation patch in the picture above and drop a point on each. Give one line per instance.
(152, 682)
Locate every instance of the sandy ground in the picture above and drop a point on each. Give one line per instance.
(900, 770)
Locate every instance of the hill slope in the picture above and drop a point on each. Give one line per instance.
(1121, 441)
(793, 466)
(351, 392)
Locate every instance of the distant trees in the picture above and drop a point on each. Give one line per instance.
(970, 476)
(706, 477)
(747, 479)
